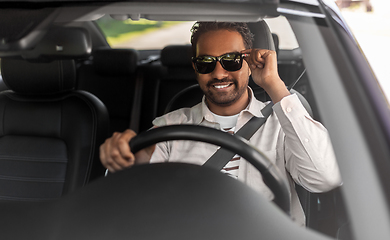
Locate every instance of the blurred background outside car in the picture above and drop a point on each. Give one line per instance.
(368, 19)
(372, 31)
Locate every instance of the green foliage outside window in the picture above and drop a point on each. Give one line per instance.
(120, 31)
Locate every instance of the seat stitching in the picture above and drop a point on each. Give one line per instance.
(32, 179)
(33, 159)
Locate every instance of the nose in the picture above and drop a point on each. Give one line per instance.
(219, 72)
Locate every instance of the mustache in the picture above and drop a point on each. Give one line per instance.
(224, 80)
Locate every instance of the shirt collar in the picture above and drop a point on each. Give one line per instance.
(254, 108)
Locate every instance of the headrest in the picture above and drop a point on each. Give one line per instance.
(38, 78)
(176, 56)
(115, 62)
(263, 36)
(276, 42)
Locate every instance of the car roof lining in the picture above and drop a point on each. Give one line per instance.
(174, 11)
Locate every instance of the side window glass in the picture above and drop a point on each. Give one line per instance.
(282, 28)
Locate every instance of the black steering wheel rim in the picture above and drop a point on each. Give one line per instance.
(270, 173)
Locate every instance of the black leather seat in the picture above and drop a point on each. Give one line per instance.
(2, 84)
(162, 81)
(112, 76)
(180, 74)
(49, 132)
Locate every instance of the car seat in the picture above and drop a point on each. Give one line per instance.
(164, 80)
(49, 133)
(112, 77)
(180, 74)
(2, 84)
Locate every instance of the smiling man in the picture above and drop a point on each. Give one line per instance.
(226, 90)
(223, 59)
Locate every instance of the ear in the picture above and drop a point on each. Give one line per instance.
(193, 66)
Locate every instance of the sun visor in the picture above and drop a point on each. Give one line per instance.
(22, 28)
(59, 43)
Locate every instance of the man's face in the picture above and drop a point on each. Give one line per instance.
(221, 87)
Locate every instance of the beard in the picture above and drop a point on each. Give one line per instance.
(224, 98)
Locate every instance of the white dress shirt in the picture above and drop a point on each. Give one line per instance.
(298, 145)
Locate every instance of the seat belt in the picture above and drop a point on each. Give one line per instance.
(136, 107)
(222, 156)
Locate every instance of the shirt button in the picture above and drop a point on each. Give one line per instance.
(288, 109)
(306, 140)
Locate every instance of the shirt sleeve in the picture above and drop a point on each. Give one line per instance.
(161, 153)
(308, 151)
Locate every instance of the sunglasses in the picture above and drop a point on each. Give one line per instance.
(230, 62)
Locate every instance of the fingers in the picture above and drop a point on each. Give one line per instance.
(115, 152)
(256, 59)
(264, 68)
(259, 57)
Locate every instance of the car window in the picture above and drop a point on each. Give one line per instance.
(282, 28)
(145, 34)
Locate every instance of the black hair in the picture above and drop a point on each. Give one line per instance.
(202, 27)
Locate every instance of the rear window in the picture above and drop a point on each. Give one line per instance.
(145, 34)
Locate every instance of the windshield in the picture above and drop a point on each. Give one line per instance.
(146, 72)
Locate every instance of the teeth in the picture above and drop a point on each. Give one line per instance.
(221, 86)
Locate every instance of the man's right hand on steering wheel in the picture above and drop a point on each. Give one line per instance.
(115, 152)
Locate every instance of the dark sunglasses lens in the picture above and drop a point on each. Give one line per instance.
(232, 62)
(205, 65)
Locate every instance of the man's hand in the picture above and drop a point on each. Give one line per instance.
(115, 152)
(264, 67)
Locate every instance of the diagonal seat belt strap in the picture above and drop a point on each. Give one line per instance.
(221, 157)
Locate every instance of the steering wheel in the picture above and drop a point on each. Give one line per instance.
(270, 173)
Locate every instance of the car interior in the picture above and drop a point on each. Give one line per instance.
(47, 153)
